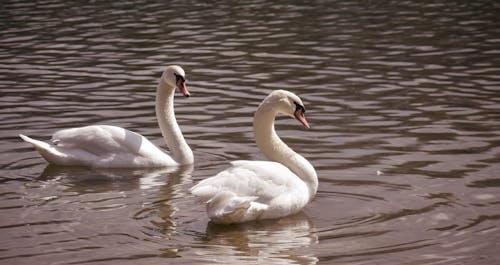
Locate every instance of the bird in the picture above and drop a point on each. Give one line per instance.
(257, 190)
(106, 146)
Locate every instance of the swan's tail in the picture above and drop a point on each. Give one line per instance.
(46, 150)
(227, 208)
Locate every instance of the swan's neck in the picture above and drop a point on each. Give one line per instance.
(276, 150)
(168, 125)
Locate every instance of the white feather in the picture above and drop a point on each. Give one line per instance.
(107, 146)
(254, 190)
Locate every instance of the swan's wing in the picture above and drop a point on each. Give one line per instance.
(101, 146)
(226, 208)
(262, 179)
(101, 139)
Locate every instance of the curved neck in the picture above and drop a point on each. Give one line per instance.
(276, 150)
(170, 130)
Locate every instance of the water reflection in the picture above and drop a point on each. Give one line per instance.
(164, 205)
(77, 210)
(84, 179)
(282, 241)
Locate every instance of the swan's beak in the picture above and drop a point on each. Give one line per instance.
(299, 115)
(181, 84)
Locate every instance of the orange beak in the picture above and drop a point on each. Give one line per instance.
(181, 84)
(299, 115)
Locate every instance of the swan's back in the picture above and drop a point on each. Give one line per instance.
(105, 139)
(102, 146)
(98, 139)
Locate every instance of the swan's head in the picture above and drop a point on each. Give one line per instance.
(174, 76)
(287, 103)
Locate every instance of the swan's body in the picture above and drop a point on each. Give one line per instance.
(105, 146)
(254, 190)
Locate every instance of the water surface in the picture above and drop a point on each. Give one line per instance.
(403, 99)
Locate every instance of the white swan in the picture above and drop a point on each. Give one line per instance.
(253, 190)
(104, 146)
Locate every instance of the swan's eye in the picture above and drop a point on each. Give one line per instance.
(299, 107)
(179, 77)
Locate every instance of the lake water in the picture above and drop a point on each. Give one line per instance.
(403, 98)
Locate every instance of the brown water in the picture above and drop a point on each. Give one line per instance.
(403, 99)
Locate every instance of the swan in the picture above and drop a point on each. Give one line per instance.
(256, 190)
(105, 146)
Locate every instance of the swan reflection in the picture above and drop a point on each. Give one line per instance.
(280, 241)
(163, 203)
(147, 193)
(85, 180)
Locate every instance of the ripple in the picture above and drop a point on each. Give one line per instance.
(402, 99)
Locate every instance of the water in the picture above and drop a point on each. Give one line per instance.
(403, 99)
